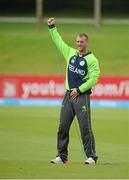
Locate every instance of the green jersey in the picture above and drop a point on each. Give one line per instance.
(82, 72)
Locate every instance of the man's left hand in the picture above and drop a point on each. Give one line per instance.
(74, 93)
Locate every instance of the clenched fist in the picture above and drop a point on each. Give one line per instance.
(51, 21)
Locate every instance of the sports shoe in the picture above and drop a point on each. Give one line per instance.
(58, 160)
(90, 161)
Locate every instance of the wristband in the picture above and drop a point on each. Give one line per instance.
(78, 90)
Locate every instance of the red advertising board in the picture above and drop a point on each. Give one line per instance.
(115, 88)
(11, 86)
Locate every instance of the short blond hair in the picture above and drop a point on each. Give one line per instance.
(83, 34)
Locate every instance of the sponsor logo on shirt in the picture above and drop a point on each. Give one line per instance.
(73, 60)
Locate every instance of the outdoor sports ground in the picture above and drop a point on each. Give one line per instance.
(28, 134)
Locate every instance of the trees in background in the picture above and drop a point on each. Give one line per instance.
(109, 7)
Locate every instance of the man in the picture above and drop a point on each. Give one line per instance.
(82, 73)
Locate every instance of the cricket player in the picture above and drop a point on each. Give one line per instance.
(82, 74)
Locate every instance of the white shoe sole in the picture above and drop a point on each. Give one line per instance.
(90, 163)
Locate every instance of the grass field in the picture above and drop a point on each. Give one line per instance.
(28, 142)
(21, 47)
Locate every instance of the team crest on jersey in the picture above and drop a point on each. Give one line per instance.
(82, 63)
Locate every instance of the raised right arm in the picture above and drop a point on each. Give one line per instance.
(61, 45)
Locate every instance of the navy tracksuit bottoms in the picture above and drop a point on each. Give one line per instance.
(79, 107)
